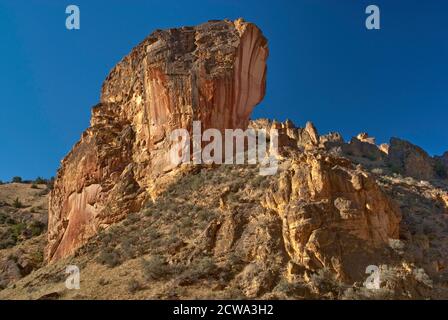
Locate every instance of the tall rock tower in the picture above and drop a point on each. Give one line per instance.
(214, 72)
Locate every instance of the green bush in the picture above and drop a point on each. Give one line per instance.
(17, 204)
(109, 257)
(155, 267)
(36, 228)
(17, 230)
(3, 217)
(40, 180)
(16, 180)
(134, 286)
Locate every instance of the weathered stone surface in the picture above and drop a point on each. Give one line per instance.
(364, 146)
(410, 159)
(334, 216)
(331, 140)
(214, 72)
(288, 134)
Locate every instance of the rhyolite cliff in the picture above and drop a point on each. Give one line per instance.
(214, 72)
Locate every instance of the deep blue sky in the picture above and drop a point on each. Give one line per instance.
(324, 66)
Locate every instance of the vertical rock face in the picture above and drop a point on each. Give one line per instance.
(410, 159)
(214, 72)
(334, 215)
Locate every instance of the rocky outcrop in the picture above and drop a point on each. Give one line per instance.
(410, 160)
(334, 215)
(364, 146)
(290, 136)
(214, 72)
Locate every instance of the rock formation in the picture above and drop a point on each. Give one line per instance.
(334, 215)
(410, 160)
(214, 72)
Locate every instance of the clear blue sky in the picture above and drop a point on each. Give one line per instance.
(324, 66)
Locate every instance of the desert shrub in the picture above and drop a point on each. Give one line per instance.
(288, 288)
(186, 223)
(16, 180)
(234, 294)
(156, 214)
(36, 228)
(200, 268)
(203, 215)
(38, 257)
(133, 286)
(129, 248)
(155, 267)
(152, 233)
(256, 182)
(324, 281)
(103, 282)
(109, 257)
(40, 180)
(171, 239)
(131, 219)
(17, 203)
(17, 229)
(34, 186)
(147, 212)
(195, 182)
(7, 240)
(3, 217)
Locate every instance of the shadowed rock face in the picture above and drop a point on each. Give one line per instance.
(410, 159)
(214, 72)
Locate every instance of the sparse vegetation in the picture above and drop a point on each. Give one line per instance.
(109, 257)
(200, 268)
(16, 180)
(134, 286)
(324, 282)
(40, 180)
(17, 203)
(155, 267)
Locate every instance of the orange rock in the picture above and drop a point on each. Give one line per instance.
(214, 72)
(334, 216)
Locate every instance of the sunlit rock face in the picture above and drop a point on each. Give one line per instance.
(214, 72)
(334, 215)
